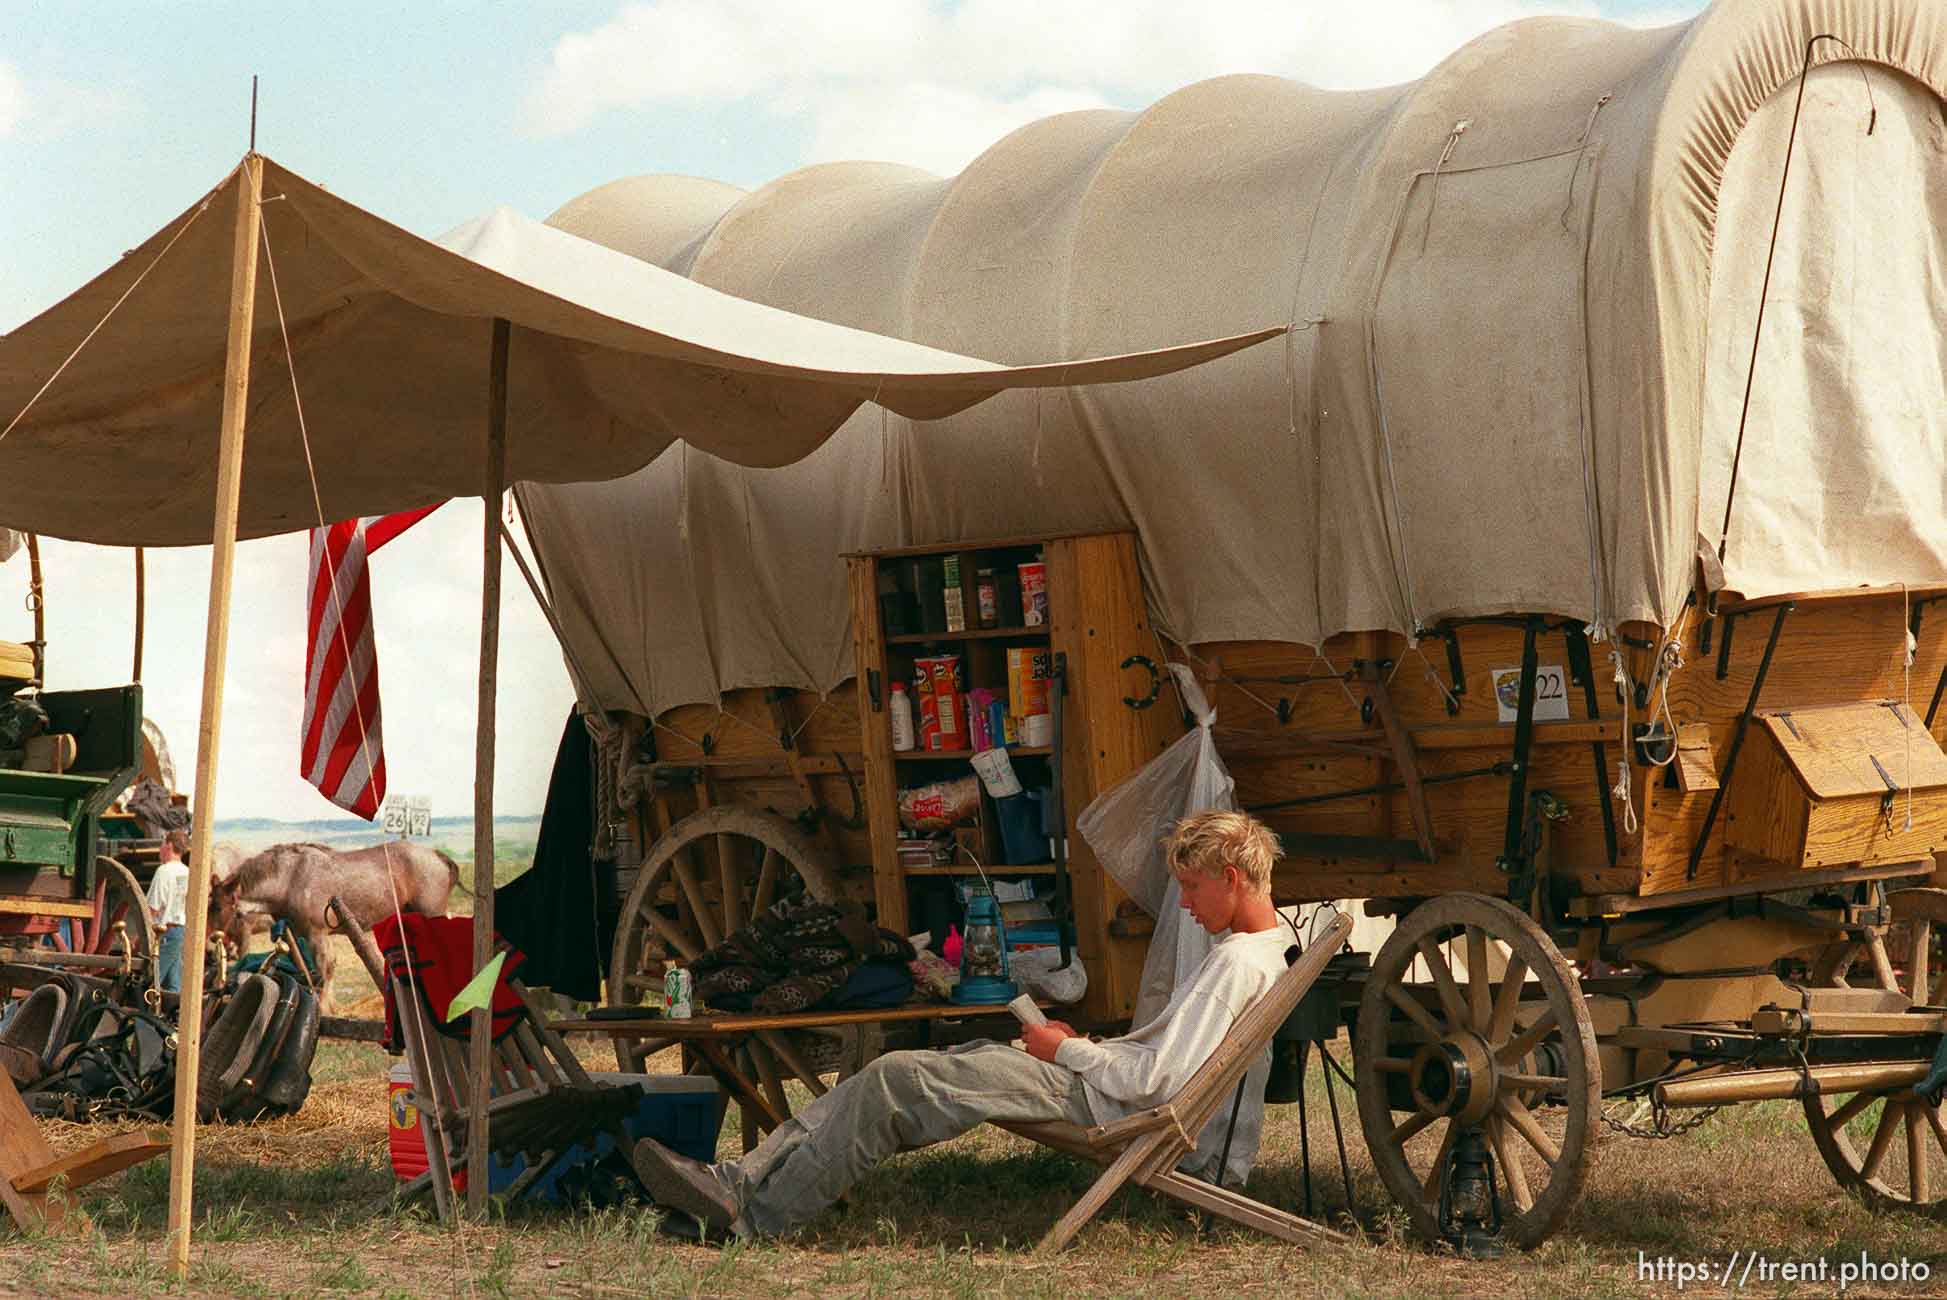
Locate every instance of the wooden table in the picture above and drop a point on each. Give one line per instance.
(714, 1039)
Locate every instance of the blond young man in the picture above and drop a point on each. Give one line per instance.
(1222, 862)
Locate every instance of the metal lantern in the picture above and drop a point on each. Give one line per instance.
(983, 952)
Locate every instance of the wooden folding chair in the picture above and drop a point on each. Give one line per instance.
(29, 1169)
(1146, 1147)
(541, 1100)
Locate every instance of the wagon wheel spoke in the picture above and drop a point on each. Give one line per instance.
(1480, 986)
(1922, 959)
(1919, 1176)
(729, 882)
(1882, 1141)
(1510, 1053)
(766, 881)
(1418, 1014)
(1443, 984)
(1507, 1003)
(1523, 1121)
(1842, 966)
(700, 915)
(1845, 1114)
(1510, 1164)
(683, 945)
(1419, 1120)
(1430, 1185)
(760, 1055)
(1882, 964)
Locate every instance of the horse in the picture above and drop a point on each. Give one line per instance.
(295, 882)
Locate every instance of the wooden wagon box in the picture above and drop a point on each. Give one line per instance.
(1828, 787)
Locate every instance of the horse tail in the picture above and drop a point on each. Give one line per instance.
(452, 872)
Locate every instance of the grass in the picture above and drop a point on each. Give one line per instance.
(301, 1206)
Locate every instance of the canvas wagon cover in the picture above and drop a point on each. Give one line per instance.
(1524, 290)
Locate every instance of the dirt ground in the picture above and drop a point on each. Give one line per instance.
(302, 1206)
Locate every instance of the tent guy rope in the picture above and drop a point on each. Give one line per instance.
(344, 645)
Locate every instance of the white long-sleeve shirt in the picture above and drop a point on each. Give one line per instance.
(1148, 1066)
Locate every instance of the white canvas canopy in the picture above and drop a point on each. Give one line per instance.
(1523, 291)
(611, 361)
(131, 401)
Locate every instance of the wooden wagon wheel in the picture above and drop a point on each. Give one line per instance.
(1859, 1134)
(121, 920)
(703, 879)
(1514, 1057)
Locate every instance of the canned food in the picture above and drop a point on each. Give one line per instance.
(1034, 594)
(678, 986)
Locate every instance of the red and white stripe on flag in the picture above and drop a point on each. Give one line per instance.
(341, 750)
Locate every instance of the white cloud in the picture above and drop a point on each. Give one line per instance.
(924, 124)
(914, 82)
(13, 100)
(51, 106)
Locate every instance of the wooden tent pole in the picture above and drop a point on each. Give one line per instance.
(141, 608)
(480, 1042)
(216, 646)
(37, 597)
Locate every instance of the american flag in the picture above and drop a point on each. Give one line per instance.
(335, 754)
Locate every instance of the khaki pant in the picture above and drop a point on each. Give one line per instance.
(901, 1101)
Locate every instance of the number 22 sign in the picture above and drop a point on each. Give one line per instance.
(1551, 693)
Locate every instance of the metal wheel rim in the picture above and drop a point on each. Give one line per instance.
(1874, 1142)
(688, 843)
(1408, 1147)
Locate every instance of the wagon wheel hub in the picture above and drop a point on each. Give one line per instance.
(1457, 1077)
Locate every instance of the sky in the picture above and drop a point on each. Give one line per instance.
(115, 117)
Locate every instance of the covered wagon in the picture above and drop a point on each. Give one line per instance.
(1565, 579)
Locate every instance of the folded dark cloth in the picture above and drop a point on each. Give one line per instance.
(441, 956)
(796, 955)
(876, 984)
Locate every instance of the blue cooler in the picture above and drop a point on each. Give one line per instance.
(681, 1111)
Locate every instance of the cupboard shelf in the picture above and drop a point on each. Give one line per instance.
(1036, 633)
(935, 755)
(1096, 620)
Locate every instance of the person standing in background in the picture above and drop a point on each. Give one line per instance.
(168, 896)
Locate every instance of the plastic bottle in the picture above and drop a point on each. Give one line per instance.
(902, 718)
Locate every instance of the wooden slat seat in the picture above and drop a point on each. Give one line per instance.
(1146, 1147)
(29, 1169)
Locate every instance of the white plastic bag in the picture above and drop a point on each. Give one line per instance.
(1035, 970)
(1126, 827)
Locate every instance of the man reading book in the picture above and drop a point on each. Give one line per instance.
(903, 1100)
